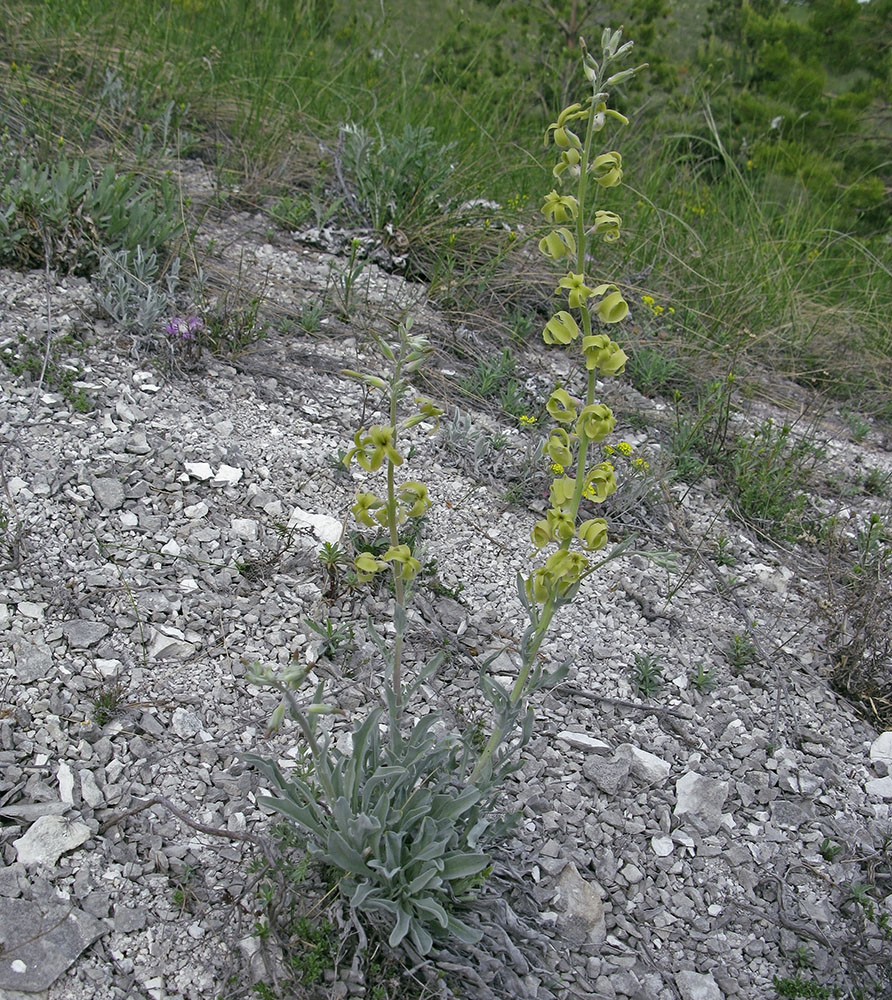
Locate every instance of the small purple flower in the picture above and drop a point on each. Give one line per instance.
(183, 329)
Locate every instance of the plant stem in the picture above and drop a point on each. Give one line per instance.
(393, 528)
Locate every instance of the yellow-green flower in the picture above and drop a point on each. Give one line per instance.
(406, 565)
(373, 448)
(565, 568)
(526, 421)
(362, 509)
(577, 290)
(367, 565)
(561, 524)
(612, 308)
(560, 329)
(558, 244)
(414, 498)
(558, 209)
(607, 225)
(604, 354)
(624, 448)
(608, 169)
(569, 161)
(561, 493)
(595, 422)
(600, 483)
(558, 448)
(593, 533)
(569, 114)
(561, 407)
(541, 534)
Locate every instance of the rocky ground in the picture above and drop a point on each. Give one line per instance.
(678, 846)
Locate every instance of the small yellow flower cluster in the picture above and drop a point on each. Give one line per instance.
(526, 421)
(655, 307)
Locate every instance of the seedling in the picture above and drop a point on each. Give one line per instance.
(647, 675)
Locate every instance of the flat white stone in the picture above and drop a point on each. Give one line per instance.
(662, 846)
(227, 475)
(196, 510)
(880, 786)
(90, 791)
(171, 548)
(65, 777)
(582, 741)
(324, 527)
(199, 470)
(245, 527)
(646, 766)
(881, 748)
(48, 838)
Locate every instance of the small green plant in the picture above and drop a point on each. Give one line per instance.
(699, 435)
(723, 555)
(858, 427)
(647, 675)
(311, 949)
(490, 377)
(334, 637)
(132, 291)
(295, 211)
(232, 326)
(857, 606)
(828, 850)
(333, 558)
(398, 179)
(344, 280)
(184, 894)
(702, 679)
(797, 988)
(876, 482)
(63, 212)
(653, 371)
(741, 653)
(108, 701)
(310, 316)
(769, 471)
(54, 368)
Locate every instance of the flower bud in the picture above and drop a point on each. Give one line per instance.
(569, 161)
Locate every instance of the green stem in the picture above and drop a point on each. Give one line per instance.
(399, 589)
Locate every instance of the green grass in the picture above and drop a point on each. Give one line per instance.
(754, 265)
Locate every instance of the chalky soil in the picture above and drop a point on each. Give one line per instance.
(161, 543)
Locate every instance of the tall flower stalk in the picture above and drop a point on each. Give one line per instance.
(580, 427)
(376, 446)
